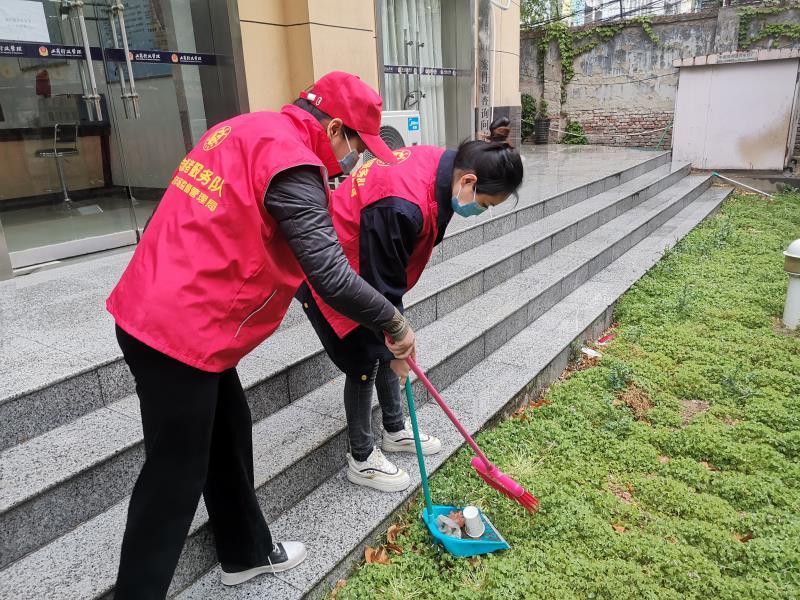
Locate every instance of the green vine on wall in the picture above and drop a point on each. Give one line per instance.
(774, 31)
(572, 44)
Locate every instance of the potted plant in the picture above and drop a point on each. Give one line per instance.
(542, 123)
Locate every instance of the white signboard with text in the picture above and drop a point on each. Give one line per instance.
(23, 21)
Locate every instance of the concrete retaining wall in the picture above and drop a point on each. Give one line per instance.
(623, 91)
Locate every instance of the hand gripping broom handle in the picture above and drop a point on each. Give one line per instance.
(489, 466)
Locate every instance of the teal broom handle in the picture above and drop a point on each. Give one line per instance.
(420, 458)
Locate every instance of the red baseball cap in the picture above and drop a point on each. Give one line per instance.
(344, 95)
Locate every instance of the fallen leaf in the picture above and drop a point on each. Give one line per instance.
(339, 585)
(539, 403)
(743, 538)
(708, 466)
(394, 548)
(394, 531)
(618, 528)
(376, 555)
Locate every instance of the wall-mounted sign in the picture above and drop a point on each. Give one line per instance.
(162, 57)
(484, 107)
(438, 71)
(737, 57)
(44, 51)
(62, 52)
(23, 21)
(411, 69)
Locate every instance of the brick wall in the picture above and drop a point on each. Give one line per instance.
(627, 84)
(626, 128)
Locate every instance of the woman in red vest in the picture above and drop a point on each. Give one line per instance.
(388, 219)
(243, 222)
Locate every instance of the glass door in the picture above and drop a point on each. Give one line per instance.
(428, 57)
(141, 79)
(58, 196)
(160, 78)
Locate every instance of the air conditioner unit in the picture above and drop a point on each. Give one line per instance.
(399, 128)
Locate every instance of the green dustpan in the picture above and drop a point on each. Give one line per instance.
(490, 541)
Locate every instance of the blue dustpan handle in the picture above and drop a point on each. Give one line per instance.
(420, 459)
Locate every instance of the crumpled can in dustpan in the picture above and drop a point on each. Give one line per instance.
(489, 541)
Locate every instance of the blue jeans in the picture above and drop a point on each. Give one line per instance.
(358, 406)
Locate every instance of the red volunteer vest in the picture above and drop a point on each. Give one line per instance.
(413, 179)
(213, 276)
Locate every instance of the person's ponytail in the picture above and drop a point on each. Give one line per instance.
(500, 130)
(495, 161)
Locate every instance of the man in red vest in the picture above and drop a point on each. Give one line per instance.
(243, 221)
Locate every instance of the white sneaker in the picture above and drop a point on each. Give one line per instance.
(284, 556)
(403, 441)
(377, 472)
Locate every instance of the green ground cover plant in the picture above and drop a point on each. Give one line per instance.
(668, 469)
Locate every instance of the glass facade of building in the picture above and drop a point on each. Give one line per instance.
(98, 104)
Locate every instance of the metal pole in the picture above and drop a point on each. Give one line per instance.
(752, 189)
(119, 9)
(123, 87)
(95, 97)
(81, 67)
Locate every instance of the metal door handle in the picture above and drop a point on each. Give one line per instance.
(122, 84)
(117, 9)
(94, 97)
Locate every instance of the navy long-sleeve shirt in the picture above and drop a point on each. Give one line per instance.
(389, 229)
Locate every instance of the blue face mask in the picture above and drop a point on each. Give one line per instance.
(466, 210)
(350, 159)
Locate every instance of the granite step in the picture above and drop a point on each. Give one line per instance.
(27, 415)
(58, 319)
(313, 452)
(337, 521)
(76, 480)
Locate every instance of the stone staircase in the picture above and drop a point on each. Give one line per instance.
(495, 314)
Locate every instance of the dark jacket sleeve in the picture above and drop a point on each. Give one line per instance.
(296, 199)
(388, 233)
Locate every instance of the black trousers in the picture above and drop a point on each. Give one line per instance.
(198, 440)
